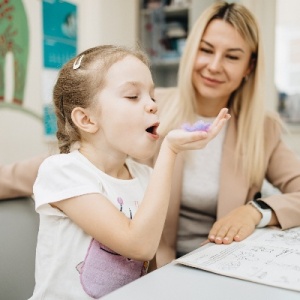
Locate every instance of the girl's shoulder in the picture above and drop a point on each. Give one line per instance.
(66, 162)
(57, 160)
(63, 176)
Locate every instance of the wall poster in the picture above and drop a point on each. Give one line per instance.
(14, 50)
(59, 45)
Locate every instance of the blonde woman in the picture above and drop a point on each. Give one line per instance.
(222, 66)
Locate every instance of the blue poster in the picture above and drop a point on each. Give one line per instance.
(59, 46)
(60, 32)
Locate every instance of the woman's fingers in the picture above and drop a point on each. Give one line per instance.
(223, 114)
(236, 226)
(180, 139)
(227, 236)
(219, 122)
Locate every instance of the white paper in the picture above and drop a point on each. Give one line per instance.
(269, 256)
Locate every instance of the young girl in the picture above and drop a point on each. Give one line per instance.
(101, 213)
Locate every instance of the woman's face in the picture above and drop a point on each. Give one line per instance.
(223, 59)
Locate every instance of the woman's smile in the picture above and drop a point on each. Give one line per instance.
(210, 81)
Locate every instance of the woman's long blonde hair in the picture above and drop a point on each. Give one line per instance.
(246, 103)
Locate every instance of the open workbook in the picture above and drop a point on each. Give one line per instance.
(269, 256)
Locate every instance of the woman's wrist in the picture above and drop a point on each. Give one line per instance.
(265, 212)
(255, 214)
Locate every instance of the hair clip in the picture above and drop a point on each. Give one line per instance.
(77, 62)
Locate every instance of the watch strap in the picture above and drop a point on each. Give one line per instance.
(265, 211)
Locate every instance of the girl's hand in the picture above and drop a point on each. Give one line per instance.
(235, 226)
(179, 140)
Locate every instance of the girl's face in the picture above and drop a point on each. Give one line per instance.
(128, 118)
(222, 61)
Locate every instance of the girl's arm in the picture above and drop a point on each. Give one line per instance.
(138, 238)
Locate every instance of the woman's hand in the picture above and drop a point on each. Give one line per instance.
(235, 226)
(179, 140)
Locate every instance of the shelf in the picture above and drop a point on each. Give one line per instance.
(167, 62)
(176, 10)
(170, 10)
(163, 33)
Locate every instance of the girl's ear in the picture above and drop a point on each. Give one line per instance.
(83, 120)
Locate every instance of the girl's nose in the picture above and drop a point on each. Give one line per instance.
(151, 107)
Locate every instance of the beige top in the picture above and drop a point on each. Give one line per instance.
(199, 196)
(282, 169)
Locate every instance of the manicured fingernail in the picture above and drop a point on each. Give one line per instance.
(218, 239)
(212, 237)
(226, 239)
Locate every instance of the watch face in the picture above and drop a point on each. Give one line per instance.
(262, 204)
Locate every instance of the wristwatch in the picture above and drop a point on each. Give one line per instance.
(265, 211)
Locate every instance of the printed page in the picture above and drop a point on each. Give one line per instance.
(269, 256)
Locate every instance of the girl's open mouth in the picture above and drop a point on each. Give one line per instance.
(153, 130)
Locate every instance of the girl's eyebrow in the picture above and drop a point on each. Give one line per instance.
(134, 84)
(128, 84)
(230, 49)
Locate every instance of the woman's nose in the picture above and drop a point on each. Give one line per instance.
(215, 64)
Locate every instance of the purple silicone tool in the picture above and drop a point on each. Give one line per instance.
(197, 126)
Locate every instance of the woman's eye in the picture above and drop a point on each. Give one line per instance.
(232, 57)
(131, 97)
(153, 100)
(205, 50)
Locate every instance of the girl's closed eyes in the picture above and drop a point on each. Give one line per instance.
(131, 97)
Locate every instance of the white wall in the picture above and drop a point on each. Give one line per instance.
(265, 13)
(287, 67)
(99, 22)
(108, 22)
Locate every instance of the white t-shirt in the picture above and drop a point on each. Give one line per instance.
(69, 263)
